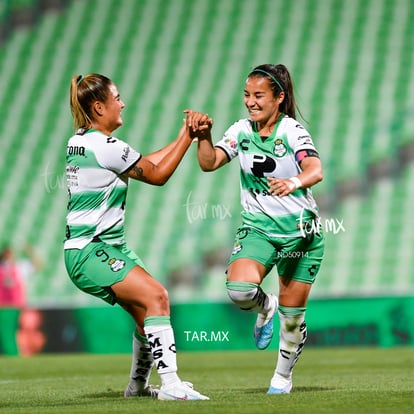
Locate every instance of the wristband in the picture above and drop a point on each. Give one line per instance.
(296, 181)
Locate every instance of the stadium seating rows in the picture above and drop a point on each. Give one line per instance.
(352, 65)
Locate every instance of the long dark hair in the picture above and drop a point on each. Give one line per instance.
(281, 81)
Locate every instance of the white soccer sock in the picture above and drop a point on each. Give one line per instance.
(292, 337)
(142, 362)
(160, 337)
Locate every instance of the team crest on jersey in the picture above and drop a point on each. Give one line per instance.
(280, 149)
(116, 264)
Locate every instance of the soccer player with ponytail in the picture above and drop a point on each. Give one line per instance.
(98, 169)
(280, 223)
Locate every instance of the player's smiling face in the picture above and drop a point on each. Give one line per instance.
(259, 100)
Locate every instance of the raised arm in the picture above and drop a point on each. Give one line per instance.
(156, 168)
(157, 156)
(209, 157)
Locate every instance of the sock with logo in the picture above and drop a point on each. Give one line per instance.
(142, 363)
(292, 338)
(160, 337)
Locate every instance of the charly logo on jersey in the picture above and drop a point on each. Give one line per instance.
(280, 149)
(116, 264)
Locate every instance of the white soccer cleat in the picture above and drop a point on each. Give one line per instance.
(280, 385)
(263, 330)
(180, 391)
(148, 391)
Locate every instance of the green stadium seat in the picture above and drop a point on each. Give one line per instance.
(352, 64)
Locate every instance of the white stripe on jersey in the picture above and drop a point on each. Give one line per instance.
(97, 189)
(272, 157)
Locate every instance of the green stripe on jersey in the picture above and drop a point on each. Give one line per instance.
(288, 225)
(80, 230)
(112, 235)
(82, 158)
(117, 196)
(91, 200)
(97, 188)
(86, 200)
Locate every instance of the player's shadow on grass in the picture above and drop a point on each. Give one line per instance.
(312, 389)
(261, 391)
(105, 394)
(295, 390)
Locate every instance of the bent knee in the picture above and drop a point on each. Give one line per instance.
(158, 301)
(163, 297)
(242, 294)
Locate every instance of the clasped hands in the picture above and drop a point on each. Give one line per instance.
(199, 124)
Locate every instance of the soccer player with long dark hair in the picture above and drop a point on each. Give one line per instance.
(278, 166)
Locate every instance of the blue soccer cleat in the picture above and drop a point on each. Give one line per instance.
(263, 330)
(280, 385)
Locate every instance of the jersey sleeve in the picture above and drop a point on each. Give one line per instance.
(229, 142)
(301, 141)
(116, 155)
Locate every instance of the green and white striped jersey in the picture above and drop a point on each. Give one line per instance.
(96, 187)
(277, 156)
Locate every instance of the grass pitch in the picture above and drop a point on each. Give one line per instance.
(334, 380)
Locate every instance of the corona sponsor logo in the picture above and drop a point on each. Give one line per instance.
(75, 150)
